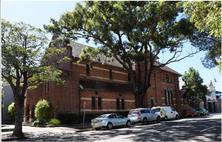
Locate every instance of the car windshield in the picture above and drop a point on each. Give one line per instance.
(156, 109)
(102, 116)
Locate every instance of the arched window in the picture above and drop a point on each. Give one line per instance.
(87, 69)
(166, 97)
(117, 103)
(99, 103)
(123, 103)
(171, 93)
(110, 74)
(167, 78)
(93, 102)
(169, 97)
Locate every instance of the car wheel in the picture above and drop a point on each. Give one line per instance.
(177, 117)
(109, 126)
(192, 115)
(98, 128)
(158, 119)
(128, 123)
(145, 121)
(165, 118)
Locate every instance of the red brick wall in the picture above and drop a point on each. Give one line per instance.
(108, 101)
(66, 97)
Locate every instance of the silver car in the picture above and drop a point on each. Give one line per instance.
(109, 121)
(143, 115)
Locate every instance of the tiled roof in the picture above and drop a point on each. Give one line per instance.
(165, 68)
(105, 86)
(77, 49)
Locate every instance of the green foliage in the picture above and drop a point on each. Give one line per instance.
(206, 15)
(11, 110)
(55, 121)
(195, 91)
(68, 118)
(128, 31)
(2, 95)
(42, 109)
(27, 61)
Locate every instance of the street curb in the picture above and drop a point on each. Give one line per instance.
(6, 130)
(83, 130)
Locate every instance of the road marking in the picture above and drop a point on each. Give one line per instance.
(207, 129)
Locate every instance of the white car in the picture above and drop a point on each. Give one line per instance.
(166, 112)
(109, 121)
(143, 115)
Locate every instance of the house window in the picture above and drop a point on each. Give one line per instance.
(171, 94)
(208, 94)
(110, 74)
(93, 102)
(99, 103)
(117, 103)
(47, 87)
(166, 97)
(129, 77)
(169, 97)
(87, 70)
(123, 103)
(167, 78)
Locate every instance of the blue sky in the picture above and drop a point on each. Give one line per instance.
(38, 13)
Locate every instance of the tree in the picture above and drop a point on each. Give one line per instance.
(206, 15)
(11, 110)
(25, 58)
(42, 109)
(195, 91)
(2, 95)
(132, 33)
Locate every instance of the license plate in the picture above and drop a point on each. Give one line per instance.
(94, 122)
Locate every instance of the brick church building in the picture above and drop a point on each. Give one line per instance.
(104, 88)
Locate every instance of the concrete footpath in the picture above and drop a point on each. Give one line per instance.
(6, 130)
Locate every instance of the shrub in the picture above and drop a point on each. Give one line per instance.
(11, 110)
(68, 118)
(42, 109)
(55, 121)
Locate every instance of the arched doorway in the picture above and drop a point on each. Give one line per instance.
(151, 103)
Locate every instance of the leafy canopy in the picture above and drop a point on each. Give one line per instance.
(195, 91)
(25, 54)
(206, 15)
(131, 32)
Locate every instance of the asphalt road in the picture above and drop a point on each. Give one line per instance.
(203, 128)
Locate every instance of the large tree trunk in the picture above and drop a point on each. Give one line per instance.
(139, 99)
(19, 104)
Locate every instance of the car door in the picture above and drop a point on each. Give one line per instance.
(173, 113)
(113, 119)
(152, 115)
(120, 119)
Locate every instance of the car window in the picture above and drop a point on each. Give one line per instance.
(119, 116)
(148, 111)
(102, 116)
(151, 111)
(133, 112)
(172, 109)
(143, 111)
(112, 116)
